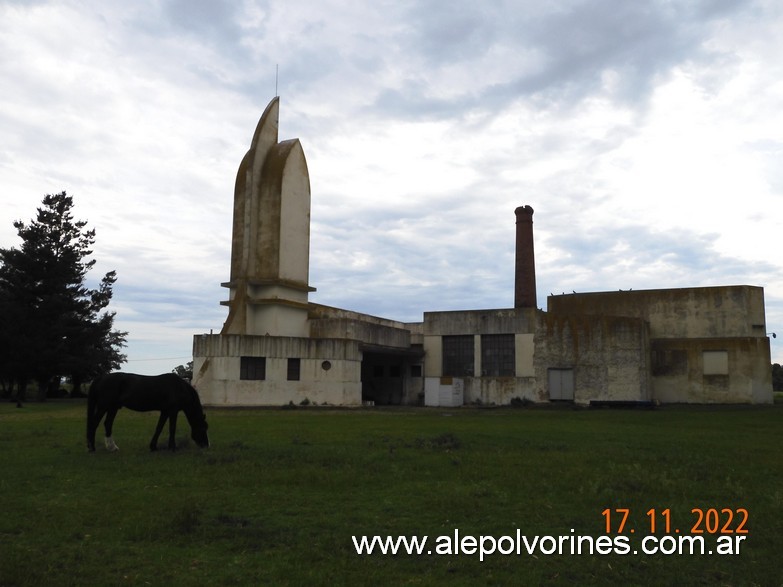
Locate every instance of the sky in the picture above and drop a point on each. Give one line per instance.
(647, 136)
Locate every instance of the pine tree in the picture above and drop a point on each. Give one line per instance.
(56, 325)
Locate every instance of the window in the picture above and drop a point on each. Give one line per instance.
(716, 362)
(415, 370)
(294, 366)
(669, 362)
(458, 355)
(497, 355)
(252, 368)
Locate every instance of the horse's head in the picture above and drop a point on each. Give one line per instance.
(198, 432)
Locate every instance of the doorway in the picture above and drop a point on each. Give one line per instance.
(561, 384)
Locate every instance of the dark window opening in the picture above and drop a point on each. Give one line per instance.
(415, 370)
(497, 355)
(458, 355)
(252, 368)
(669, 362)
(294, 366)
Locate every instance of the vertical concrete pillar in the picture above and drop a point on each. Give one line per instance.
(525, 273)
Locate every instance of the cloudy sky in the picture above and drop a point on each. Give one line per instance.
(646, 135)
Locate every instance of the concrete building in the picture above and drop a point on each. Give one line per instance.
(696, 345)
(277, 347)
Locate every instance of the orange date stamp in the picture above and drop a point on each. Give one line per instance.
(703, 521)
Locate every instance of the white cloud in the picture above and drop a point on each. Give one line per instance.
(646, 136)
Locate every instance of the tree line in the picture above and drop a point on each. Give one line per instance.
(777, 377)
(53, 324)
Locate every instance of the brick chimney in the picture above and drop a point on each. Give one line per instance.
(525, 274)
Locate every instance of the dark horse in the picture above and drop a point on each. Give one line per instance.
(167, 393)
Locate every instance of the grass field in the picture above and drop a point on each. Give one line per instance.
(277, 497)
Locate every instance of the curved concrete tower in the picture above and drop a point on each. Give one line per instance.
(270, 248)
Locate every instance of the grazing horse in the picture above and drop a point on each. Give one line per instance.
(167, 393)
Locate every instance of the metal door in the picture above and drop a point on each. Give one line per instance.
(561, 384)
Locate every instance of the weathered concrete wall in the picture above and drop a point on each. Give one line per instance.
(504, 321)
(498, 390)
(698, 312)
(319, 311)
(686, 323)
(276, 317)
(609, 356)
(216, 370)
(525, 346)
(366, 332)
(679, 373)
(520, 322)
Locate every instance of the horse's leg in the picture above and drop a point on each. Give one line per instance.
(161, 421)
(172, 430)
(110, 415)
(92, 426)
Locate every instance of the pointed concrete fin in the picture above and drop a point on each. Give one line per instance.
(266, 130)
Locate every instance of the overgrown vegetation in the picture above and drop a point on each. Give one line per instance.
(278, 496)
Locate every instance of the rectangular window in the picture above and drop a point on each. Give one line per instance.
(497, 355)
(293, 369)
(669, 362)
(458, 355)
(252, 368)
(415, 370)
(716, 362)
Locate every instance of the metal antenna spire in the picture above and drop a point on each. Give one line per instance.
(277, 66)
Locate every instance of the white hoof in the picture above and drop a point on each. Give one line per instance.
(111, 446)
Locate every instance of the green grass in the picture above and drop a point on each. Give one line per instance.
(278, 496)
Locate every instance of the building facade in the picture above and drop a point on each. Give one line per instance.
(691, 345)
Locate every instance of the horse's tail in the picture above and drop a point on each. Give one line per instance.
(92, 413)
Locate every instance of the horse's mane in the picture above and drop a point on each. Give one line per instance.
(193, 393)
(194, 401)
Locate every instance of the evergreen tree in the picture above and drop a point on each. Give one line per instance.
(184, 371)
(56, 325)
(777, 377)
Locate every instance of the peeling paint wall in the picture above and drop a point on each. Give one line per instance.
(684, 324)
(679, 373)
(697, 312)
(609, 356)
